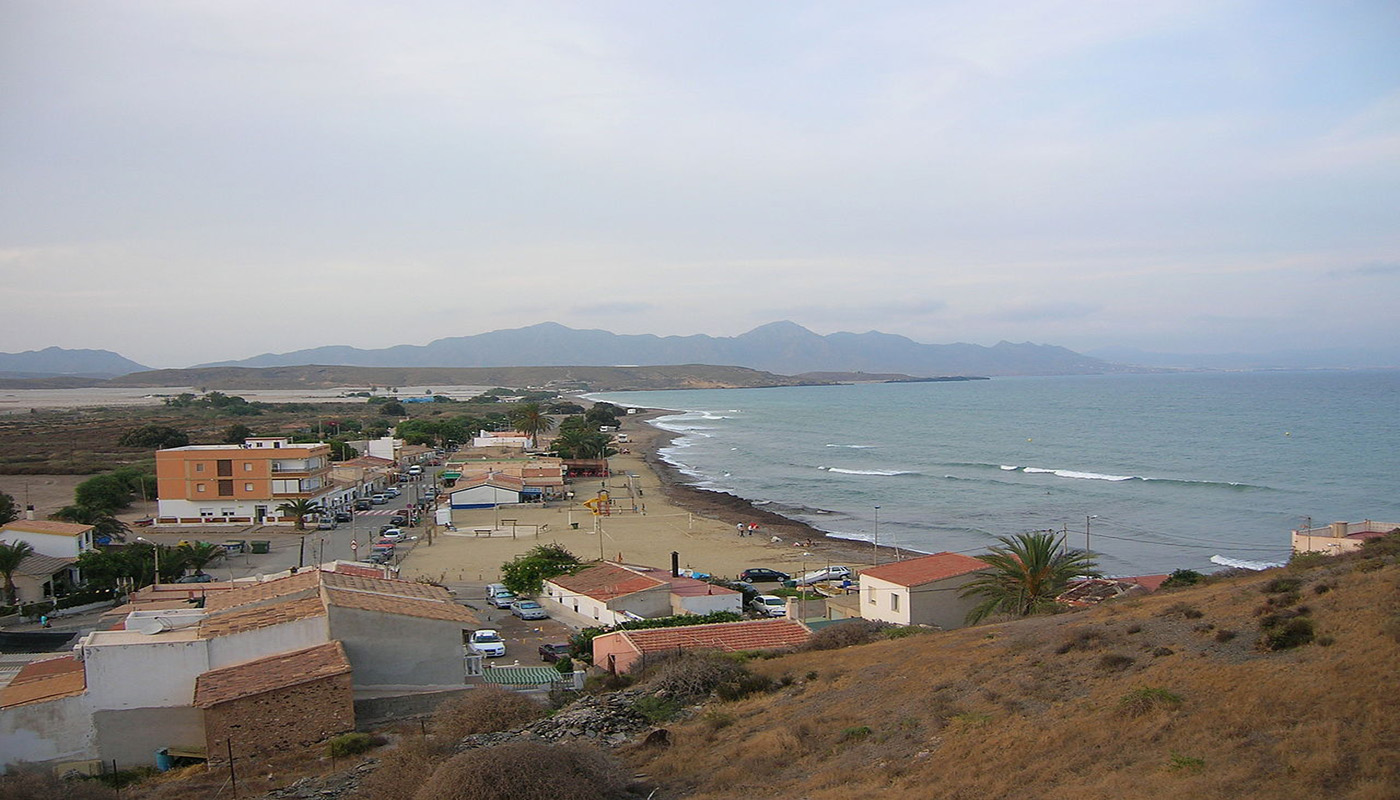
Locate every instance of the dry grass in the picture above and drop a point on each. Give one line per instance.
(1038, 709)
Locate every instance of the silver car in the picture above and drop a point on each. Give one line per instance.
(528, 609)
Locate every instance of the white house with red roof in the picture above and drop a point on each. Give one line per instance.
(50, 538)
(609, 593)
(920, 591)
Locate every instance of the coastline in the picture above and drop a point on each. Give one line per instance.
(734, 510)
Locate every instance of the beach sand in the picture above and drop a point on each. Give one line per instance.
(668, 516)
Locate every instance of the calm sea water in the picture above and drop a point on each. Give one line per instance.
(1167, 470)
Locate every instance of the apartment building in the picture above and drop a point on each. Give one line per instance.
(240, 484)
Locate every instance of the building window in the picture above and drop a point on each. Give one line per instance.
(894, 601)
(227, 512)
(199, 487)
(226, 488)
(198, 467)
(247, 466)
(247, 487)
(870, 595)
(225, 467)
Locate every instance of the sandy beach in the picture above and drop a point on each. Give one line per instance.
(668, 516)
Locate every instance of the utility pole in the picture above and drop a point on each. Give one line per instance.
(877, 536)
(1086, 530)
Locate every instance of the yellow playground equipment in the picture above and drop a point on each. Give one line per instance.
(601, 506)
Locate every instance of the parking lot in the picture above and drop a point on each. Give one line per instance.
(523, 637)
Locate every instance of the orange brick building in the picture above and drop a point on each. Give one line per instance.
(239, 484)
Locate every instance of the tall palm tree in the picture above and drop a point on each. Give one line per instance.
(12, 554)
(530, 419)
(299, 509)
(1029, 571)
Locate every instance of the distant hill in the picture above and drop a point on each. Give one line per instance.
(577, 378)
(56, 361)
(783, 348)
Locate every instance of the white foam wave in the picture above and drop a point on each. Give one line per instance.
(854, 446)
(882, 472)
(1070, 473)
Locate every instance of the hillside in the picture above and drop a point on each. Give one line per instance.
(687, 376)
(1055, 707)
(58, 361)
(779, 347)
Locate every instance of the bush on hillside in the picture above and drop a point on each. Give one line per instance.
(526, 771)
(352, 744)
(486, 710)
(696, 674)
(847, 633)
(1182, 577)
(1140, 701)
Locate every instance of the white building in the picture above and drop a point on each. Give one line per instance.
(50, 538)
(920, 591)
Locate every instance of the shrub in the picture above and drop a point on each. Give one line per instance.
(352, 744)
(742, 686)
(1141, 701)
(1079, 639)
(1281, 585)
(1183, 609)
(1224, 635)
(717, 720)
(847, 633)
(485, 710)
(526, 771)
(657, 709)
(692, 674)
(855, 734)
(1278, 632)
(1189, 763)
(1182, 577)
(1113, 662)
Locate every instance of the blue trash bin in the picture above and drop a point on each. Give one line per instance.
(164, 761)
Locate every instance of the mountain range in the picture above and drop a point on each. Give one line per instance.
(785, 348)
(57, 361)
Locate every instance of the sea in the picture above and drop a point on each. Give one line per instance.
(1152, 472)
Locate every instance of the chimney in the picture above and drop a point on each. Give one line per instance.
(675, 564)
(29, 513)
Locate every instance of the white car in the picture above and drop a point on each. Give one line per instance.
(392, 534)
(769, 605)
(486, 643)
(827, 574)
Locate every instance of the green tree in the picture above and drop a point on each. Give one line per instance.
(158, 437)
(530, 420)
(393, 408)
(198, 555)
(9, 509)
(1029, 571)
(103, 522)
(526, 574)
(300, 509)
(104, 568)
(341, 450)
(12, 554)
(105, 492)
(237, 433)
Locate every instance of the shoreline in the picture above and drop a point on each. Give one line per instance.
(731, 509)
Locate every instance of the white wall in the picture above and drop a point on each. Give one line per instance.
(238, 648)
(483, 496)
(149, 674)
(47, 544)
(56, 730)
(708, 604)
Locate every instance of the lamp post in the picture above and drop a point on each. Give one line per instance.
(877, 536)
(155, 549)
(1086, 530)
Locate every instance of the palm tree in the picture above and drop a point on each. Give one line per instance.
(198, 555)
(299, 509)
(530, 420)
(11, 556)
(1030, 571)
(103, 522)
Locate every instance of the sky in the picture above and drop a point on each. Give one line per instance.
(191, 182)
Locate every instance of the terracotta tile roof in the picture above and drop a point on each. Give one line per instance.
(50, 687)
(45, 526)
(48, 668)
(269, 590)
(683, 586)
(267, 674)
(239, 620)
(37, 565)
(762, 634)
(471, 481)
(402, 606)
(605, 582)
(389, 586)
(926, 569)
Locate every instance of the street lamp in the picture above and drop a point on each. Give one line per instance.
(877, 536)
(1086, 530)
(155, 548)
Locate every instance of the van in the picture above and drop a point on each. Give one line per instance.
(499, 596)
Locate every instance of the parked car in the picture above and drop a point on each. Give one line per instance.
(826, 574)
(415, 470)
(379, 499)
(769, 605)
(554, 651)
(487, 643)
(763, 575)
(344, 516)
(380, 557)
(528, 609)
(325, 524)
(499, 596)
(201, 578)
(393, 491)
(363, 504)
(398, 519)
(392, 534)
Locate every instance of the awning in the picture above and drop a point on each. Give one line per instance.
(450, 476)
(520, 676)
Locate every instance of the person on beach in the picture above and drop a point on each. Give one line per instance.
(739, 526)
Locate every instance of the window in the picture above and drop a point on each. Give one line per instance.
(225, 466)
(894, 601)
(247, 487)
(226, 488)
(199, 487)
(870, 595)
(227, 512)
(198, 467)
(247, 466)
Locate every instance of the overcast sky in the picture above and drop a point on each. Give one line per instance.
(193, 181)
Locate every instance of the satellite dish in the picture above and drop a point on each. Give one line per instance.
(146, 625)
